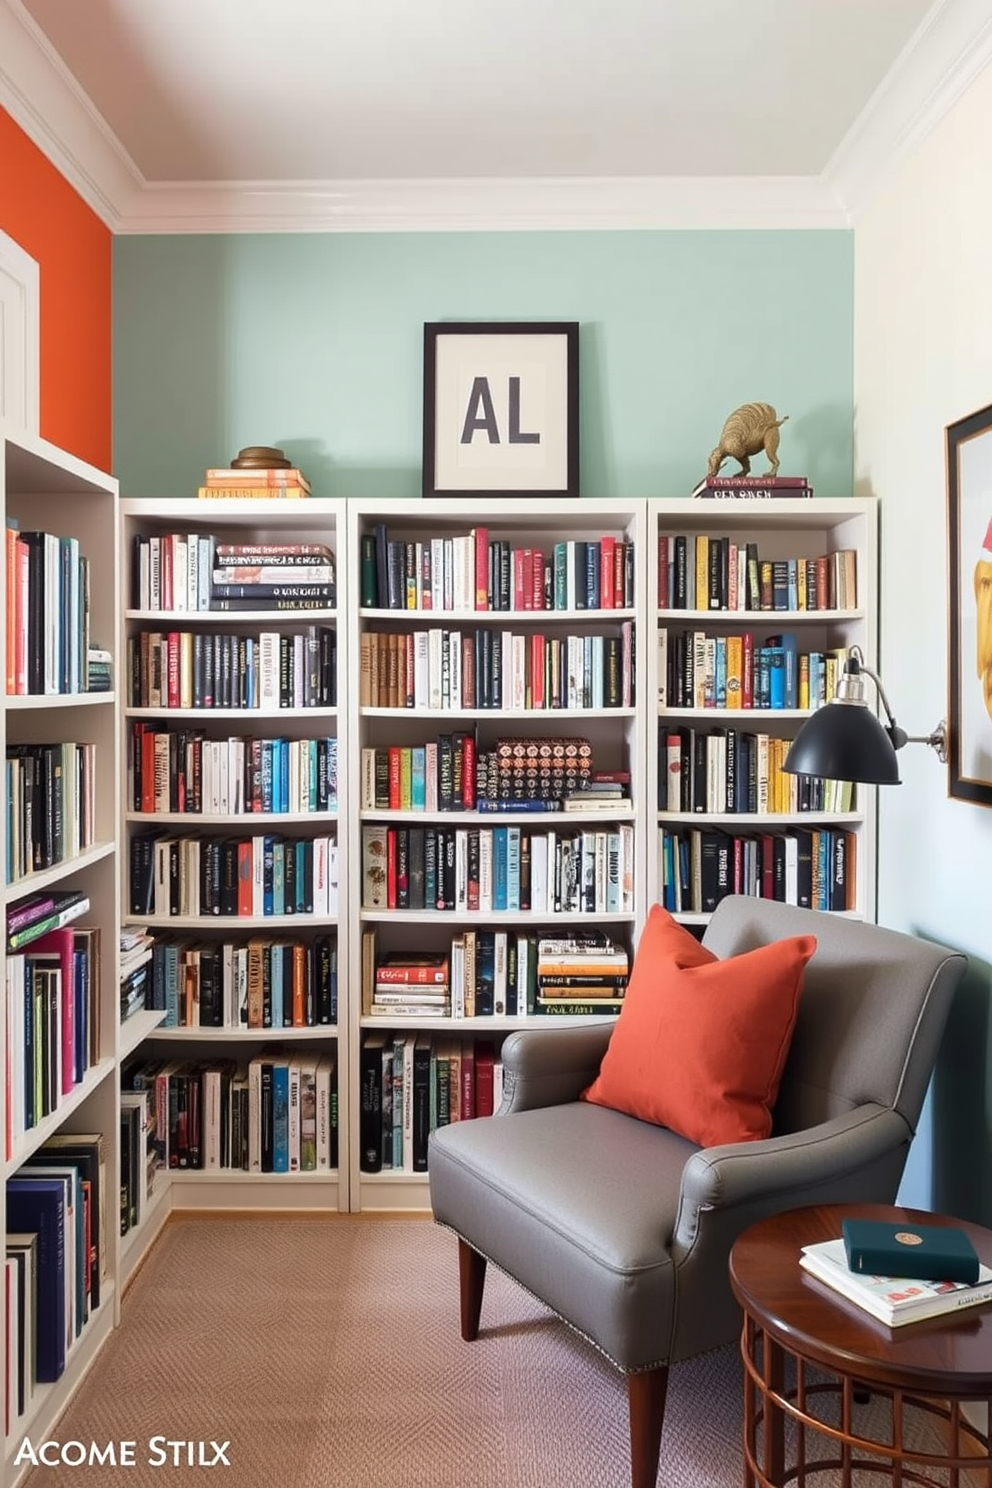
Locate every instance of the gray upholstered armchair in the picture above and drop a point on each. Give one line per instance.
(622, 1228)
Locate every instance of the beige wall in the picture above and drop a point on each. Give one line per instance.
(923, 357)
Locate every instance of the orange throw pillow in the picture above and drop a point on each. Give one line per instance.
(700, 1043)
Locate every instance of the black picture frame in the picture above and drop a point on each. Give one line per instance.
(969, 547)
(501, 409)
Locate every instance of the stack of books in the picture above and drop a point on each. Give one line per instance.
(40, 913)
(896, 1300)
(272, 576)
(257, 471)
(584, 972)
(412, 986)
(753, 487)
(99, 677)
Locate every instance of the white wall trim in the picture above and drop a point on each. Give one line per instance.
(22, 280)
(950, 48)
(486, 205)
(946, 53)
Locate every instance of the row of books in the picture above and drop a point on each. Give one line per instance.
(270, 670)
(452, 774)
(52, 1021)
(413, 1083)
(701, 572)
(469, 869)
(188, 572)
(733, 770)
(496, 669)
(263, 874)
(496, 973)
(474, 571)
(277, 1113)
(814, 868)
(264, 982)
(696, 670)
(57, 1241)
(50, 805)
(182, 770)
(47, 613)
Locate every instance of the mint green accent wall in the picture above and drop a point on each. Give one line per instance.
(314, 342)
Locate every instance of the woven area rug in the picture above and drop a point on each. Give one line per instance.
(327, 1354)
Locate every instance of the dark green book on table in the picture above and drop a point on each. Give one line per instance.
(924, 1252)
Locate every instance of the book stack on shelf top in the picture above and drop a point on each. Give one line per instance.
(753, 487)
(259, 470)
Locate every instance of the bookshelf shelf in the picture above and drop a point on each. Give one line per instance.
(509, 554)
(704, 758)
(301, 684)
(60, 598)
(136, 1028)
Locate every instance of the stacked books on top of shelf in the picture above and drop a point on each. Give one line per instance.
(753, 487)
(257, 471)
(892, 1299)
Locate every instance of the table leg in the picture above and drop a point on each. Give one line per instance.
(773, 1367)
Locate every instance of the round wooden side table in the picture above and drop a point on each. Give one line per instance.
(811, 1357)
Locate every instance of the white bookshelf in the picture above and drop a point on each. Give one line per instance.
(246, 521)
(781, 529)
(616, 734)
(44, 489)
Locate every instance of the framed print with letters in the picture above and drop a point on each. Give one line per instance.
(501, 409)
(969, 538)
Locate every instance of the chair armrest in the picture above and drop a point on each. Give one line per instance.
(790, 1171)
(545, 1067)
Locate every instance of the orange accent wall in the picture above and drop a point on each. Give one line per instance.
(49, 220)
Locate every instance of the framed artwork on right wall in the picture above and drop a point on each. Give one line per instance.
(969, 545)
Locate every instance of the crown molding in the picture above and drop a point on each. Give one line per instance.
(948, 50)
(41, 95)
(486, 205)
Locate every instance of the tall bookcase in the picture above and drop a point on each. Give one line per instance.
(46, 490)
(705, 606)
(439, 587)
(222, 726)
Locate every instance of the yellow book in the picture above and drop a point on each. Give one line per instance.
(702, 572)
(251, 493)
(735, 670)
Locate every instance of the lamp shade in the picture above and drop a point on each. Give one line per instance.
(844, 741)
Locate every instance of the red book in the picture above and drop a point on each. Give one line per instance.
(395, 774)
(664, 602)
(245, 898)
(537, 671)
(485, 1056)
(173, 696)
(519, 602)
(413, 971)
(619, 574)
(538, 579)
(607, 572)
(147, 746)
(482, 568)
(58, 945)
(468, 772)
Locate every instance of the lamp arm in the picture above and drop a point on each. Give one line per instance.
(936, 739)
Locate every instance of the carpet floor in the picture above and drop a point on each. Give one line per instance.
(327, 1355)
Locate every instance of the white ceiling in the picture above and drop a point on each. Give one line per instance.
(234, 114)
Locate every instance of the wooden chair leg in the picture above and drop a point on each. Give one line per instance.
(646, 1394)
(471, 1281)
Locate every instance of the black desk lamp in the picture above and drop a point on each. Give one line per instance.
(844, 740)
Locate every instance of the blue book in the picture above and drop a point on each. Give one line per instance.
(267, 747)
(279, 878)
(512, 867)
(418, 778)
(70, 1175)
(776, 676)
(788, 645)
(36, 1206)
(280, 1116)
(500, 867)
